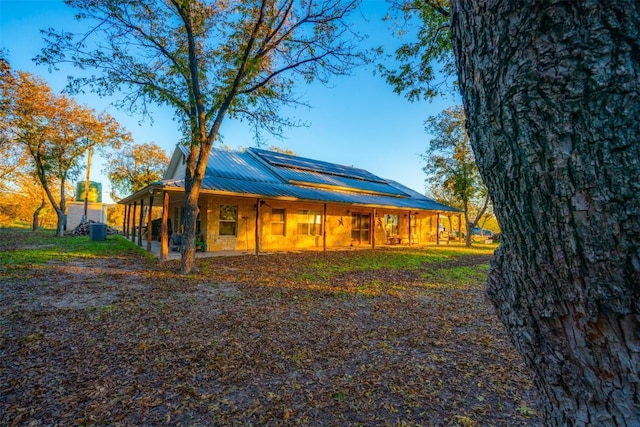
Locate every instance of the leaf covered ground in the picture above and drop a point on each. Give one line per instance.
(389, 337)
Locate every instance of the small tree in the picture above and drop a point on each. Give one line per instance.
(134, 167)
(56, 133)
(451, 168)
(208, 60)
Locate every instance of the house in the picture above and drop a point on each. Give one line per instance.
(258, 200)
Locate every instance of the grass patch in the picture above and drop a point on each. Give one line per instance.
(44, 247)
(459, 276)
(397, 259)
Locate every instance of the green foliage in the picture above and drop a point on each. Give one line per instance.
(207, 59)
(416, 76)
(450, 163)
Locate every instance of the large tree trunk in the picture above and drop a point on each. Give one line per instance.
(552, 94)
(194, 175)
(188, 258)
(468, 239)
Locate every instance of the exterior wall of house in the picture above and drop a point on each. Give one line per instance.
(287, 225)
(244, 237)
(177, 166)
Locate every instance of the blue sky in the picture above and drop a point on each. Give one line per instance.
(356, 121)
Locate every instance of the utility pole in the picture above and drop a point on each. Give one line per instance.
(86, 185)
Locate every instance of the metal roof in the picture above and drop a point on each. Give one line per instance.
(325, 168)
(238, 165)
(291, 192)
(260, 173)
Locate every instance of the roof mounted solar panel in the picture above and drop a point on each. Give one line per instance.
(295, 162)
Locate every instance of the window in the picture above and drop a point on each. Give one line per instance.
(360, 226)
(391, 225)
(228, 220)
(309, 223)
(277, 222)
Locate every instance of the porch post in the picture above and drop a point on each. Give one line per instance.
(140, 222)
(164, 238)
(129, 221)
(149, 225)
(437, 228)
(133, 222)
(324, 228)
(124, 221)
(258, 223)
(409, 228)
(459, 229)
(125, 228)
(372, 228)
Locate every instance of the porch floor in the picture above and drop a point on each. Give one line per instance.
(174, 255)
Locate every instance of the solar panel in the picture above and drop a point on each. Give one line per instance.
(286, 160)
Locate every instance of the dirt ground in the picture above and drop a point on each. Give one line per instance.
(269, 340)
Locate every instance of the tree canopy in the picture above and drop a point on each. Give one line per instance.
(13, 159)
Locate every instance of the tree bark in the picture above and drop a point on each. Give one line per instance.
(36, 215)
(188, 258)
(552, 95)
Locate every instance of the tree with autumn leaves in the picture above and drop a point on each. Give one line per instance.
(451, 168)
(133, 167)
(54, 133)
(208, 60)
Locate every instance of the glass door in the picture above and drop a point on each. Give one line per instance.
(360, 227)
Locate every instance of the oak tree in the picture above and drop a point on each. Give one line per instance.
(551, 91)
(208, 60)
(552, 95)
(424, 63)
(133, 167)
(56, 133)
(451, 167)
(25, 203)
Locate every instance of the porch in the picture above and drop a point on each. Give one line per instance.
(230, 225)
(155, 249)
